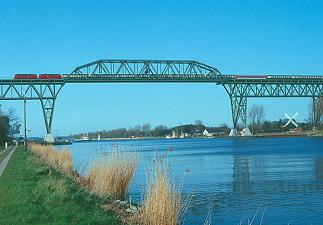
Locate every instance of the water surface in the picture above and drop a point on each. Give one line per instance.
(283, 177)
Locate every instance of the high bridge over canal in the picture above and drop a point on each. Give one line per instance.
(239, 88)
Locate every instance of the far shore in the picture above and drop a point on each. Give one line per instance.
(257, 135)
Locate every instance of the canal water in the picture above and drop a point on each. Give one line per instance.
(273, 180)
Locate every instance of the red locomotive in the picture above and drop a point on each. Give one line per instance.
(50, 76)
(41, 76)
(25, 76)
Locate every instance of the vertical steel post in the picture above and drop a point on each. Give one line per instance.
(314, 113)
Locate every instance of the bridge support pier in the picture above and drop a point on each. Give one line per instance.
(48, 111)
(49, 138)
(239, 112)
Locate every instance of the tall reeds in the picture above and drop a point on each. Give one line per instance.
(61, 160)
(110, 175)
(163, 203)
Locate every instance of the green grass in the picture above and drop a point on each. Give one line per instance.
(33, 193)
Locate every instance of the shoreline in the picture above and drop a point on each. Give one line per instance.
(258, 135)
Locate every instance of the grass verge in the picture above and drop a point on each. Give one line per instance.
(34, 193)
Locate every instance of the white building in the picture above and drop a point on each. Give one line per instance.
(207, 134)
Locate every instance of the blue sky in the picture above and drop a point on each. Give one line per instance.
(242, 37)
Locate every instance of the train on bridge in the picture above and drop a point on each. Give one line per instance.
(40, 76)
(225, 77)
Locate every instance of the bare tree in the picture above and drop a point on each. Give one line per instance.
(137, 128)
(146, 127)
(199, 125)
(315, 116)
(256, 117)
(198, 122)
(14, 122)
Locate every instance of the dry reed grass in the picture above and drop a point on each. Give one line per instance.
(163, 203)
(111, 174)
(61, 160)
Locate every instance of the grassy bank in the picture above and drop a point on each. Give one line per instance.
(34, 193)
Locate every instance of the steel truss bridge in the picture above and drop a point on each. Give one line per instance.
(239, 88)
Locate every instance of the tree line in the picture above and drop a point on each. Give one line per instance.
(146, 130)
(255, 118)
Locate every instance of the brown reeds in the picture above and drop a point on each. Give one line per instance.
(162, 203)
(61, 160)
(110, 175)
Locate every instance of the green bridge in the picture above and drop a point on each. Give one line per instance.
(238, 87)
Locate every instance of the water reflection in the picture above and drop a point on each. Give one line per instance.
(241, 176)
(318, 169)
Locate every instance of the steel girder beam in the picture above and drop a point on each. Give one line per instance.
(45, 92)
(239, 92)
(29, 91)
(149, 70)
(274, 89)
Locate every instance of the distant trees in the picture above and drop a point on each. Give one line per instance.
(256, 117)
(160, 131)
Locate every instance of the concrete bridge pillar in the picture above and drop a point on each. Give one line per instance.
(49, 138)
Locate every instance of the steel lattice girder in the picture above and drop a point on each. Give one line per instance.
(45, 92)
(143, 69)
(31, 91)
(48, 112)
(239, 110)
(274, 90)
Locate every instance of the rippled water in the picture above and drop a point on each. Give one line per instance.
(283, 177)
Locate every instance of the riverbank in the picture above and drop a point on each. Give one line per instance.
(34, 193)
(317, 133)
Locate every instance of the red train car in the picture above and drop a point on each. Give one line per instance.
(250, 77)
(50, 76)
(25, 76)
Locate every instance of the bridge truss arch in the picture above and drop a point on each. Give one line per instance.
(143, 71)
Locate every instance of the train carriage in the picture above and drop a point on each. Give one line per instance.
(25, 76)
(50, 76)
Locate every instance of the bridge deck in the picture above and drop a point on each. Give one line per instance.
(222, 79)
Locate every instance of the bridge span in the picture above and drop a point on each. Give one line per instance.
(238, 87)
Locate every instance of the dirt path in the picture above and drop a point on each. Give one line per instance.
(5, 161)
